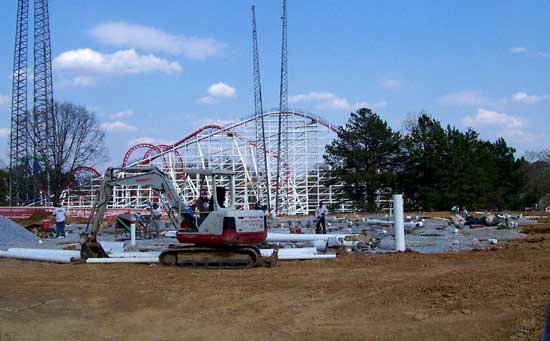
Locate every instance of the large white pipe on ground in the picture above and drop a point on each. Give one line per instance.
(19, 250)
(295, 254)
(123, 260)
(56, 258)
(409, 224)
(273, 237)
(398, 222)
(149, 254)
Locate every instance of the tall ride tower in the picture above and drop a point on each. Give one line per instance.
(19, 138)
(282, 185)
(263, 179)
(24, 144)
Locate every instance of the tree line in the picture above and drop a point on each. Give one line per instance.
(435, 167)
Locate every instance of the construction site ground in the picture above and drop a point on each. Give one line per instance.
(492, 294)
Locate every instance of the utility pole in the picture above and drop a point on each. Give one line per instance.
(259, 120)
(282, 132)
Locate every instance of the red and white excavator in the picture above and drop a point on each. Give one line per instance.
(225, 238)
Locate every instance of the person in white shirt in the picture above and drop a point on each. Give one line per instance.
(320, 214)
(59, 213)
(156, 214)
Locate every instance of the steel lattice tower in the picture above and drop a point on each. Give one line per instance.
(43, 88)
(41, 139)
(261, 150)
(19, 139)
(282, 187)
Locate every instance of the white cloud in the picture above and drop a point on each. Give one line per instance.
(148, 139)
(207, 100)
(123, 114)
(324, 100)
(340, 103)
(120, 62)
(149, 38)
(117, 126)
(517, 50)
(523, 97)
(464, 98)
(79, 81)
(311, 97)
(4, 99)
(493, 119)
(390, 83)
(221, 89)
(4, 132)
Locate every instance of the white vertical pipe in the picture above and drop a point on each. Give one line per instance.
(133, 234)
(398, 222)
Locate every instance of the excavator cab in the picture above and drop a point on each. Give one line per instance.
(223, 224)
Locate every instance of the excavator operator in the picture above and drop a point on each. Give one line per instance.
(202, 205)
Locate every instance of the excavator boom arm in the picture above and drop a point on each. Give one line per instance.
(151, 177)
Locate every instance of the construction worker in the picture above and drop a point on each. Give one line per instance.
(156, 214)
(320, 214)
(59, 213)
(203, 205)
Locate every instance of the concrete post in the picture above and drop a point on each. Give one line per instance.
(398, 222)
(133, 234)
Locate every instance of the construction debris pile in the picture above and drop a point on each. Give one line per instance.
(292, 238)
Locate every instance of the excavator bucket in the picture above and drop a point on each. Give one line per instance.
(92, 249)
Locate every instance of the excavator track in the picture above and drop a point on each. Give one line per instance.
(226, 257)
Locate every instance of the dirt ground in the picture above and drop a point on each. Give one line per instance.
(480, 295)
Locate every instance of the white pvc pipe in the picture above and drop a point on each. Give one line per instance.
(133, 234)
(297, 253)
(388, 222)
(285, 255)
(398, 222)
(293, 251)
(273, 237)
(56, 258)
(72, 253)
(150, 254)
(123, 260)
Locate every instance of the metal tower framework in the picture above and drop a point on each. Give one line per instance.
(27, 145)
(19, 139)
(283, 134)
(264, 195)
(44, 119)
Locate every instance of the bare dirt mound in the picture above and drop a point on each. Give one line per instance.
(35, 219)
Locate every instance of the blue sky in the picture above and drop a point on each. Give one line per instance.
(154, 73)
